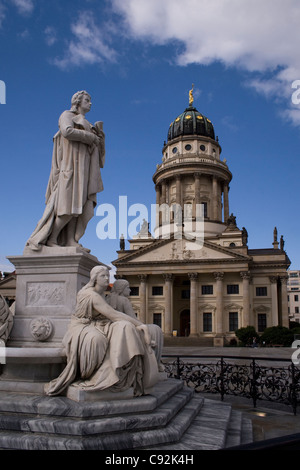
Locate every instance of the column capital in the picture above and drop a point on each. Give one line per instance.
(273, 279)
(168, 277)
(193, 276)
(284, 279)
(142, 277)
(219, 276)
(245, 275)
(197, 174)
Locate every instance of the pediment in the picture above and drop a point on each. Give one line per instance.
(181, 250)
(9, 282)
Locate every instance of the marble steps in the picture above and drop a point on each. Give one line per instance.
(247, 431)
(31, 422)
(172, 417)
(240, 430)
(101, 425)
(129, 439)
(217, 426)
(208, 431)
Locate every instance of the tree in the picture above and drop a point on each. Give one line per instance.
(246, 335)
(277, 335)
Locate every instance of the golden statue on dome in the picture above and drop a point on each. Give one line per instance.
(191, 97)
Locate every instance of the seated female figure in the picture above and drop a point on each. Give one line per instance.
(105, 348)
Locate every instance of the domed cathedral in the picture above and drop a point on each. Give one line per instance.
(195, 276)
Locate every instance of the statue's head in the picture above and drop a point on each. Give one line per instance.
(95, 272)
(121, 287)
(77, 98)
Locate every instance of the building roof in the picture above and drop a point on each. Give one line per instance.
(191, 122)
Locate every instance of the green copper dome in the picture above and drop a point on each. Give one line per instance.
(191, 122)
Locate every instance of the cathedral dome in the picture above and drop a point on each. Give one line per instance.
(191, 122)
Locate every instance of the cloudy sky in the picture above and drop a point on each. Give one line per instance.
(138, 60)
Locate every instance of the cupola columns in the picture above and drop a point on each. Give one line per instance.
(226, 202)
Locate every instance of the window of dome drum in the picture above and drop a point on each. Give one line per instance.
(174, 150)
(188, 147)
(202, 147)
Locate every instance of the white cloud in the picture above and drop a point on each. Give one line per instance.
(261, 37)
(24, 6)
(88, 44)
(50, 35)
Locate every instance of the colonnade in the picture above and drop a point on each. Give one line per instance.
(219, 187)
(278, 291)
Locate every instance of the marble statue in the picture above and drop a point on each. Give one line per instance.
(6, 319)
(281, 243)
(191, 97)
(75, 178)
(119, 300)
(106, 349)
(244, 236)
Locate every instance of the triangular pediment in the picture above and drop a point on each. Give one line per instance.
(8, 282)
(181, 250)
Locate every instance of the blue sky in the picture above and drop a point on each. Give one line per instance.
(138, 60)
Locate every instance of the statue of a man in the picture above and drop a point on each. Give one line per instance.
(75, 178)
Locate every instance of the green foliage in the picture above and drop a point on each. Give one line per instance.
(294, 324)
(277, 335)
(246, 335)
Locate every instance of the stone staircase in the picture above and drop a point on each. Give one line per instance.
(170, 417)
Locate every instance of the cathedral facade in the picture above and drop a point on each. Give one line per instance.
(201, 280)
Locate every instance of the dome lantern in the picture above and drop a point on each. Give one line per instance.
(191, 122)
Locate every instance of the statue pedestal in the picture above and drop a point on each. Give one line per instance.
(47, 285)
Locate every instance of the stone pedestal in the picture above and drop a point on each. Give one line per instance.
(47, 285)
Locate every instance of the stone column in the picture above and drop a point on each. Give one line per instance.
(143, 297)
(178, 215)
(219, 306)
(215, 198)
(197, 188)
(284, 302)
(226, 202)
(178, 190)
(168, 304)
(245, 275)
(274, 295)
(157, 190)
(193, 304)
(163, 199)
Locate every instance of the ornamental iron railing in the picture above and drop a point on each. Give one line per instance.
(252, 378)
